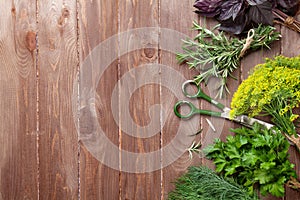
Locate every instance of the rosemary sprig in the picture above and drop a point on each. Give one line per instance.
(216, 55)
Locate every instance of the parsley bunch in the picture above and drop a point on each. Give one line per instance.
(272, 89)
(255, 158)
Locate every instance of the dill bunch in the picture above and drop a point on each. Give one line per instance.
(202, 183)
(215, 55)
(273, 89)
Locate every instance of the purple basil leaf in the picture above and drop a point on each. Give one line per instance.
(236, 10)
(261, 13)
(209, 8)
(230, 9)
(255, 2)
(290, 7)
(287, 3)
(273, 2)
(236, 26)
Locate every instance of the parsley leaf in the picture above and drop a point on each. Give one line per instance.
(257, 158)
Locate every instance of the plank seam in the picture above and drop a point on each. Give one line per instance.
(119, 96)
(78, 95)
(37, 103)
(160, 97)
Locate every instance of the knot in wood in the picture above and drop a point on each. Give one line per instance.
(51, 44)
(65, 14)
(13, 11)
(149, 52)
(30, 40)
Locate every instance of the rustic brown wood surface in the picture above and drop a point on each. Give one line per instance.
(175, 21)
(57, 65)
(54, 106)
(98, 21)
(18, 105)
(138, 185)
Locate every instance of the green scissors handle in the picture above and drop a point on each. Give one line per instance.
(193, 110)
(199, 94)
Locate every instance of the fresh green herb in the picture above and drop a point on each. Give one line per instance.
(236, 16)
(272, 89)
(254, 157)
(202, 183)
(218, 56)
(194, 148)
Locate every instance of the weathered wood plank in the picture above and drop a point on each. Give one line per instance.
(134, 118)
(98, 21)
(57, 64)
(292, 194)
(18, 149)
(177, 17)
(290, 46)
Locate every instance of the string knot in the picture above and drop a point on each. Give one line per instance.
(248, 42)
(289, 20)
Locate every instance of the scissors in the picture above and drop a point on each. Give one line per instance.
(242, 119)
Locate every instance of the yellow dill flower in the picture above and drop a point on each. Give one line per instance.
(273, 88)
(293, 117)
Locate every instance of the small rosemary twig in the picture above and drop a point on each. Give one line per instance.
(194, 148)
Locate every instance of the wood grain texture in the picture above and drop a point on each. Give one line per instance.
(43, 49)
(57, 63)
(18, 161)
(139, 14)
(98, 21)
(176, 16)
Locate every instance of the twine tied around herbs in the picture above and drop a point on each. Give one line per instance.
(289, 20)
(248, 42)
(286, 20)
(293, 183)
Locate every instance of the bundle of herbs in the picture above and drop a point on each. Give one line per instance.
(237, 16)
(273, 89)
(216, 55)
(204, 184)
(257, 158)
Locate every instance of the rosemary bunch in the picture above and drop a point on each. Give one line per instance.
(216, 55)
(204, 184)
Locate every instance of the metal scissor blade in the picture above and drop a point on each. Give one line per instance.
(244, 119)
(248, 121)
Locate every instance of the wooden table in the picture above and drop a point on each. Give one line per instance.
(44, 48)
